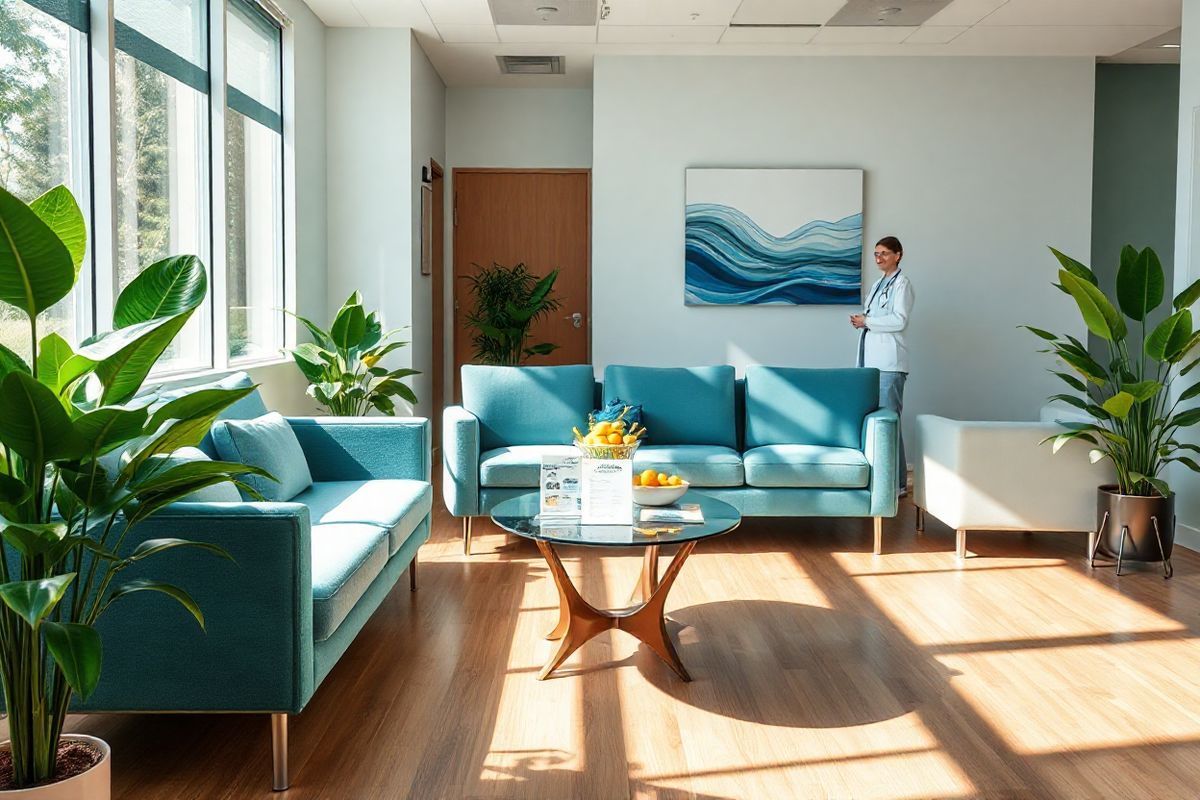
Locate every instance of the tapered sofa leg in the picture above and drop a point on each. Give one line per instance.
(412, 574)
(279, 751)
(960, 548)
(920, 519)
(466, 536)
(878, 536)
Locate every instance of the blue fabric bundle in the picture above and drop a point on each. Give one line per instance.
(613, 410)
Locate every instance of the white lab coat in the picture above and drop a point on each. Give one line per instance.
(884, 346)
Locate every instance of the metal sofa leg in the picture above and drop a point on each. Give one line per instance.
(920, 519)
(412, 574)
(466, 525)
(960, 548)
(279, 751)
(878, 536)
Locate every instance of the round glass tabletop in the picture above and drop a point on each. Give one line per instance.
(519, 515)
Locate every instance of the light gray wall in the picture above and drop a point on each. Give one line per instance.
(1133, 189)
(428, 141)
(976, 164)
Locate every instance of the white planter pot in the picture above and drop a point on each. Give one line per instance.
(95, 784)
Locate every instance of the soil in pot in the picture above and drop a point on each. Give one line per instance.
(74, 758)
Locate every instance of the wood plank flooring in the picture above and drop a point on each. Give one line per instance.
(821, 671)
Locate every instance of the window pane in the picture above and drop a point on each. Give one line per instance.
(43, 109)
(162, 186)
(254, 237)
(254, 56)
(177, 25)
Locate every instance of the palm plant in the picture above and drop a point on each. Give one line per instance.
(507, 301)
(1136, 412)
(83, 460)
(342, 364)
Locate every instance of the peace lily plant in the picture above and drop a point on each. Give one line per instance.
(84, 459)
(1137, 414)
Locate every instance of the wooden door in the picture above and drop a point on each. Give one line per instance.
(541, 218)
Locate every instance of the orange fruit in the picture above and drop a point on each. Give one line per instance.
(649, 478)
(674, 480)
(663, 479)
(602, 429)
(629, 439)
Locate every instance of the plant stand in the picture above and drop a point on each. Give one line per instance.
(1168, 569)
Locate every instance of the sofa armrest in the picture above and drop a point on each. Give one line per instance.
(460, 461)
(881, 446)
(256, 650)
(998, 476)
(362, 448)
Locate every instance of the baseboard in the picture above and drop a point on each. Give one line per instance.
(1187, 536)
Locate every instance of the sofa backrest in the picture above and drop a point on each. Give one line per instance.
(527, 405)
(249, 407)
(680, 405)
(786, 405)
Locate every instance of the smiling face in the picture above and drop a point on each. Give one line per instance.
(886, 259)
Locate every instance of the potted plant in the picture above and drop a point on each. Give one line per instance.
(1135, 408)
(83, 459)
(342, 363)
(508, 300)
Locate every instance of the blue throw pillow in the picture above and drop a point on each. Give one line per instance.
(613, 408)
(267, 442)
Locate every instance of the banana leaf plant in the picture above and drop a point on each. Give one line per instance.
(84, 459)
(1137, 411)
(342, 363)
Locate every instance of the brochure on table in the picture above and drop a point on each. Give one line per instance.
(561, 486)
(607, 491)
(686, 513)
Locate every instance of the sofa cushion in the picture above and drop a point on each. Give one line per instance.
(698, 464)
(680, 405)
(398, 506)
(824, 407)
(807, 466)
(223, 492)
(517, 467)
(346, 557)
(249, 407)
(527, 405)
(267, 442)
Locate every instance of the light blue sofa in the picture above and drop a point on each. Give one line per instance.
(307, 576)
(782, 442)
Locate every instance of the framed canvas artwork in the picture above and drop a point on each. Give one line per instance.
(773, 237)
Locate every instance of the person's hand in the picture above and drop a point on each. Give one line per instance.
(858, 320)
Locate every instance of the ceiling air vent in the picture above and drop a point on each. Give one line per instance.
(531, 65)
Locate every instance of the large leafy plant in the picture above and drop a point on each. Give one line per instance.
(342, 363)
(84, 459)
(1136, 412)
(507, 301)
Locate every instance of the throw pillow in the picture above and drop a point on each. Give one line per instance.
(613, 410)
(269, 443)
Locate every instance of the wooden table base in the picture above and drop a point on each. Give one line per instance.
(579, 621)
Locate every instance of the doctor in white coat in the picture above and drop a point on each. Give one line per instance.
(882, 328)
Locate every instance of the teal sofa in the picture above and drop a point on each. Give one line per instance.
(781, 442)
(306, 577)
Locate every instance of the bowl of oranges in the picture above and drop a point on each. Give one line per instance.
(654, 488)
(609, 438)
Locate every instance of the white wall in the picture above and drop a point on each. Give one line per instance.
(975, 163)
(428, 141)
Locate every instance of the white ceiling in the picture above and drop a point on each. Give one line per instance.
(463, 40)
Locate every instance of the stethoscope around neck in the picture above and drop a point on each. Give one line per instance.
(883, 290)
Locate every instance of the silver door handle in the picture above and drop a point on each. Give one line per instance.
(576, 319)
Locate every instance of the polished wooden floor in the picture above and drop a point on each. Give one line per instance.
(820, 671)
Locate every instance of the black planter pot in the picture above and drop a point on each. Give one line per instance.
(1135, 528)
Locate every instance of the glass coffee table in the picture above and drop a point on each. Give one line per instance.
(578, 620)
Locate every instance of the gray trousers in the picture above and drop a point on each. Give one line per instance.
(891, 395)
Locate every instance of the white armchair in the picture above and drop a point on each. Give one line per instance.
(995, 476)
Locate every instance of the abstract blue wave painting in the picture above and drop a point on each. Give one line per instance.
(773, 236)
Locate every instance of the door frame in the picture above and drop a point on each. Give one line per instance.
(454, 276)
(438, 292)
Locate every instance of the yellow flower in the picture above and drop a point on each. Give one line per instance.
(370, 361)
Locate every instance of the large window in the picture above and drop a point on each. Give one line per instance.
(43, 141)
(181, 118)
(253, 183)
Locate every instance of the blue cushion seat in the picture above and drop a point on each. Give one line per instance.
(346, 557)
(807, 466)
(518, 466)
(698, 464)
(394, 505)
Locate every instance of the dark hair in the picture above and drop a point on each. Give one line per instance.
(891, 243)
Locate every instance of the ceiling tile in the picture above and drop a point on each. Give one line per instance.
(459, 12)
(879, 34)
(468, 34)
(769, 35)
(1059, 40)
(660, 33)
(669, 12)
(1087, 12)
(965, 12)
(552, 12)
(790, 12)
(546, 33)
(935, 34)
(395, 14)
(337, 13)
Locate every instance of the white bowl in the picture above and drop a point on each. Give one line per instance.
(658, 495)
